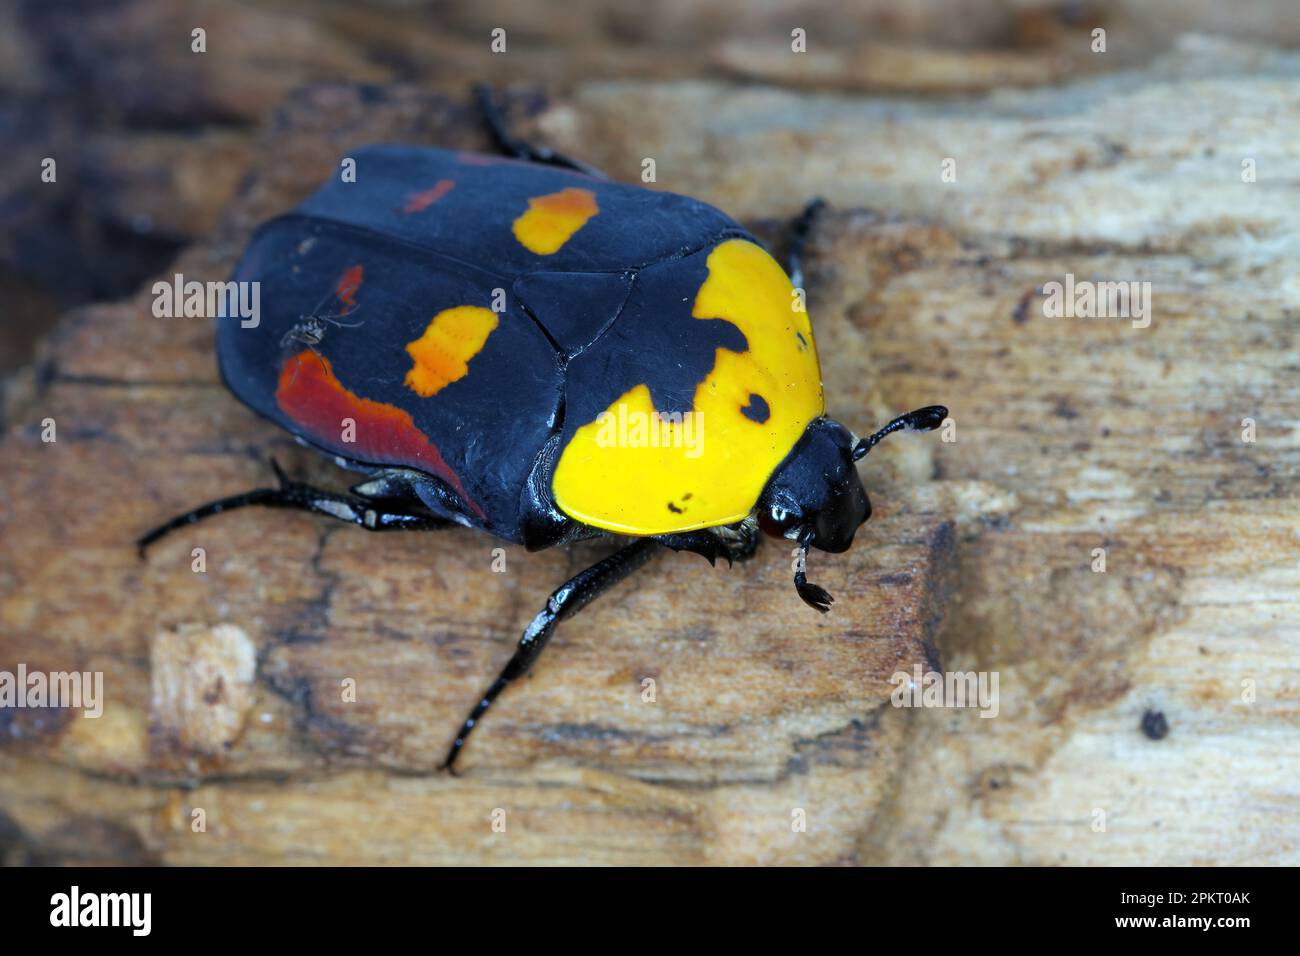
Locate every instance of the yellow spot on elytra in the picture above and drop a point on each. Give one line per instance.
(442, 353)
(552, 220)
(619, 482)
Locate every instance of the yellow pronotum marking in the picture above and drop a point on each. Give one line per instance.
(612, 478)
(441, 355)
(553, 219)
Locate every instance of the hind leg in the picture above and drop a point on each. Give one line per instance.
(363, 512)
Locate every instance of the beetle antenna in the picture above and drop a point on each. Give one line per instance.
(813, 596)
(922, 420)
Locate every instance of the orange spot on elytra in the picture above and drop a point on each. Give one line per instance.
(551, 220)
(313, 397)
(418, 202)
(348, 285)
(442, 353)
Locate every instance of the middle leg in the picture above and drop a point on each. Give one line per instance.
(570, 598)
(799, 230)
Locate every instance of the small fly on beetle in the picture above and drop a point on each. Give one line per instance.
(310, 328)
(518, 306)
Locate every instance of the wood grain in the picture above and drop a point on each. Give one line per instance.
(1072, 434)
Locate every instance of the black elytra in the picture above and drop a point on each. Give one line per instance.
(554, 348)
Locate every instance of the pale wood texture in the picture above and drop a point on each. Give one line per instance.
(224, 688)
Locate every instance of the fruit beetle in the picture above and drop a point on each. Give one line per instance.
(547, 356)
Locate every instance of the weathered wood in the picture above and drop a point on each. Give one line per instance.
(1072, 434)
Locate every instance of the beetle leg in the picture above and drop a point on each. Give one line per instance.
(521, 148)
(799, 230)
(733, 542)
(291, 494)
(740, 542)
(815, 596)
(569, 598)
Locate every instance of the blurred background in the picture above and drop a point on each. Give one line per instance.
(153, 140)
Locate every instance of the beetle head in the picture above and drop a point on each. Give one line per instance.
(816, 498)
(816, 491)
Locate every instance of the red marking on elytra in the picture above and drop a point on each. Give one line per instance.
(348, 285)
(312, 396)
(418, 202)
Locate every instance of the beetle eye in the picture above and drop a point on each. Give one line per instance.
(776, 521)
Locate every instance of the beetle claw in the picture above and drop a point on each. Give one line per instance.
(814, 596)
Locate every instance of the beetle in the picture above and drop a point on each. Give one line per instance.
(548, 356)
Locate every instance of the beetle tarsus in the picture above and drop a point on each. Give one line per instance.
(569, 598)
(521, 148)
(258, 496)
(814, 596)
(472, 720)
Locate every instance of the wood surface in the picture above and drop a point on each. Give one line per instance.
(224, 689)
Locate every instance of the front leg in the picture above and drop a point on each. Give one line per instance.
(734, 542)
